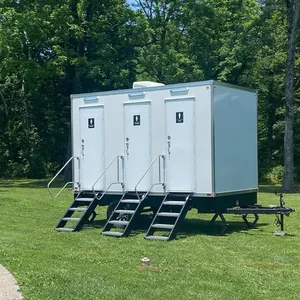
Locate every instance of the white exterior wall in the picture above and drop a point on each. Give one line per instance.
(204, 179)
(225, 138)
(235, 139)
(114, 129)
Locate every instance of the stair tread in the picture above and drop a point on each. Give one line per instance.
(130, 201)
(64, 229)
(125, 211)
(112, 233)
(70, 219)
(164, 226)
(85, 199)
(168, 214)
(174, 202)
(157, 237)
(118, 222)
(78, 208)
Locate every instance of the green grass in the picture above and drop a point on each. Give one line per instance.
(244, 264)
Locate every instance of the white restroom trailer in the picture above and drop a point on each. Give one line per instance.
(197, 139)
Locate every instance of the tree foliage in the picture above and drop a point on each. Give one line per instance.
(51, 49)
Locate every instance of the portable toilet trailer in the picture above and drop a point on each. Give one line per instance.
(167, 147)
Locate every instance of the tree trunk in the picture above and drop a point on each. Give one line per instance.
(270, 122)
(293, 12)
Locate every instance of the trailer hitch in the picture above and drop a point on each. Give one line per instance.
(255, 210)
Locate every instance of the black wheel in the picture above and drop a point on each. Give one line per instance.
(111, 207)
(154, 210)
(122, 217)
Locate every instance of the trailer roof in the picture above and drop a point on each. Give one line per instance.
(164, 87)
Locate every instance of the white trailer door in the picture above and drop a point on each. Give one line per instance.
(180, 145)
(137, 145)
(91, 147)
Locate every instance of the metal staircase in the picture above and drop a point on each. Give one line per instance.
(165, 223)
(85, 203)
(121, 221)
(83, 207)
(122, 218)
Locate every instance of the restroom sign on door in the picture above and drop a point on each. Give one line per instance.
(179, 117)
(91, 123)
(136, 120)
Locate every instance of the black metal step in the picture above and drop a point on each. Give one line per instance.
(71, 219)
(112, 233)
(163, 226)
(174, 203)
(84, 199)
(168, 214)
(157, 237)
(64, 229)
(117, 222)
(78, 208)
(125, 211)
(130, 201)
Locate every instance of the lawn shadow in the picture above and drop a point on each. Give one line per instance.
(189, 227)
(192, 227)
(140, 225)
(274, 188)
(96, 224)
(270, 189)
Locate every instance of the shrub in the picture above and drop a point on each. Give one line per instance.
(276, 174)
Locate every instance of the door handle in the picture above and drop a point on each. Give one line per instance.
(82, 147)
(169, 144)
(169, 147)
(127, 148)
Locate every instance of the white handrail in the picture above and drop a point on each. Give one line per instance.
(118, 170)
(48, 185)
(158, 156)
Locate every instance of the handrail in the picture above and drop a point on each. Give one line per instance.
(118, 170)
(159, 176)
(48, 185)
(106, 190)
(154, 184)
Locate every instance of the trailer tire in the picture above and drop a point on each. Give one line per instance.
(154, 211)
(111, 207)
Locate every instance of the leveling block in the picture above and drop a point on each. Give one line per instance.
(279, 211)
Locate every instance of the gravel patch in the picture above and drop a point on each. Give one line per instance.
(9, 289)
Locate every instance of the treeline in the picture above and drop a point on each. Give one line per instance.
(50, 49)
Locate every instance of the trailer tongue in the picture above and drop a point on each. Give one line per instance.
(256, 210)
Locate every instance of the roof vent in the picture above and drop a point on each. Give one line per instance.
(144, 84)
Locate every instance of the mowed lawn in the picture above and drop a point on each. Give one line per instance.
(199, 264)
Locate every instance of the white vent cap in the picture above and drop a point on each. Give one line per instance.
(144, 84)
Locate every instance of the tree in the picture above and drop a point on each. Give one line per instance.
(293, 13)
(49, 50)
(163, 53)
(266, 74)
